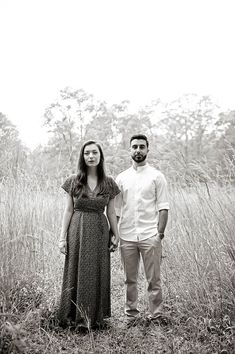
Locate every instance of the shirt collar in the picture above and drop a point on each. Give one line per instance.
(140, 168)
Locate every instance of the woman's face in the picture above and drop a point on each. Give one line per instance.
(91, 155)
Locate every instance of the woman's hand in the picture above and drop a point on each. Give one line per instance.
(113, 243)
(63, 246)
(113, 232)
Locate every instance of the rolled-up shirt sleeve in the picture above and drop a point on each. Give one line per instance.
(162, 198)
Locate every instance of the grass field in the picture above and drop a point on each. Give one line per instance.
(198, 278)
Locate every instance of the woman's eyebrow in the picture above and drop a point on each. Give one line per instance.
(94, 150)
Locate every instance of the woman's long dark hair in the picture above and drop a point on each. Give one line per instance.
(78, 187)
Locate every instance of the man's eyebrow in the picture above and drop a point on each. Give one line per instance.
(135, 145)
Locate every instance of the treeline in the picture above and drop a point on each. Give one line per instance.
(190, 138)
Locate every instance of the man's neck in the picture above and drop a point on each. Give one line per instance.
(138, 164)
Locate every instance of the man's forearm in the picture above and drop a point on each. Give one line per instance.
(162, 220)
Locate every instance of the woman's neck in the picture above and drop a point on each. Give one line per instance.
(92, 172)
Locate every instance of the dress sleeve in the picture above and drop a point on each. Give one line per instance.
(113, 188)
(67, 185)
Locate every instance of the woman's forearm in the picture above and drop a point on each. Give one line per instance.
(65, 224)
(113, 222)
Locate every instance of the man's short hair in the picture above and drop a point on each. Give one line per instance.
(140, 136)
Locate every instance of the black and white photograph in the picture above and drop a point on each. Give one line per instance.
(117, 177)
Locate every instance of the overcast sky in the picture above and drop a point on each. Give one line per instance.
(115, 49)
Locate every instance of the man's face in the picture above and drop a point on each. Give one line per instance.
(139, 150)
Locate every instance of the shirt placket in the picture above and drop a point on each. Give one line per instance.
(137, 204)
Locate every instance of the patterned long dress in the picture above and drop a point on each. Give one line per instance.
(85, 299)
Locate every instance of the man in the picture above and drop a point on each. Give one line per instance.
(142, 212)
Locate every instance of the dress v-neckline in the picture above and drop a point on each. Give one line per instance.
(92, 190)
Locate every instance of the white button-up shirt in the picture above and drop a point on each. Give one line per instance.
(143, 194)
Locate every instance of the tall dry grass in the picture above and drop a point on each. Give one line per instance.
(197, 273)
(29, 221)
(200, 250)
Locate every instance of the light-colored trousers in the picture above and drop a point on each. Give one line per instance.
(151, 252)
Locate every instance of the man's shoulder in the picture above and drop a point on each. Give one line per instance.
(124, 173)
(155, 171)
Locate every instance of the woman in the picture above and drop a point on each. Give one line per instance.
(84, 239)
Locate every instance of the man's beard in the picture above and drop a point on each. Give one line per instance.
(138, 158)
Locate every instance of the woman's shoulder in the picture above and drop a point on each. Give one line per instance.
(112, 186)
(72, 177)
(110, 181)
(109, 178)
(67, 185)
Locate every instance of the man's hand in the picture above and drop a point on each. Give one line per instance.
(161, 235)
(113, 243)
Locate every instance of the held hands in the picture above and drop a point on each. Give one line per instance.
(114, 243)
(63, 246)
